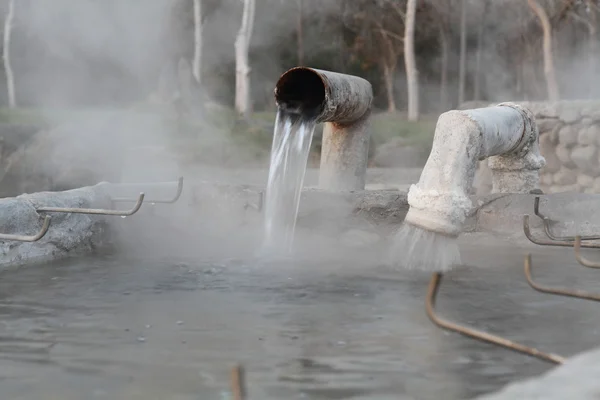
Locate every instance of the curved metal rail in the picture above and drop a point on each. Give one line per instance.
(96, 211)
(547, 221)
(580, 259)
(558, 243)
(238, 382)
(432, 291)
(170, 201)
(25, 238)
(553, 290)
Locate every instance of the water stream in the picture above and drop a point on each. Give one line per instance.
(292, 138)
(418, 249)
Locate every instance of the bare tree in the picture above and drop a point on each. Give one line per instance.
(462, 69)
(10, 79)
(379, 38)
(480, 46)
(300, 32)
(549, 72)
(412, 78)
(439, 16)
(242, 65)
(198, 28)
(589, 21)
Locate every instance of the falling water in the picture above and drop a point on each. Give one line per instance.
(420, 249)
(292, 138)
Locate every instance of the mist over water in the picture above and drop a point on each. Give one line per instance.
(418, 249)
(292, 138)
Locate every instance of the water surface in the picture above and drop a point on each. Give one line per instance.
(113, 328)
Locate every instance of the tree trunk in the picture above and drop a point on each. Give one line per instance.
(462, 68)
(300, 33)
(388, 78)
(10, 79)
(197, 67)
(480, 36)
(242, 66)
(412, 78)
(549, 72)
(592, 48)
(445, 50)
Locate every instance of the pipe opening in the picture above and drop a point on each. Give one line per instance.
(301, 91)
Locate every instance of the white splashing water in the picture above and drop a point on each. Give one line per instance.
(418, 249)
(292, 138)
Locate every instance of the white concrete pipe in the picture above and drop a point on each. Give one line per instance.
(506, 133)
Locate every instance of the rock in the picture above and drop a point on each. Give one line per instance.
(482, 184)
(584, 157)
(398, 154)
(69, 233)
(359, 238)
(585, 181)
(565, 176)
(568, 136)
(546, 179)
(564, 155)
(546, 125)
(547, 150)
(596, 186)
(587, 136)
(575, 379)
(542, 109)
(564, 188)
(591, 110)
(594, 131)
(569, 112)
(554, 133)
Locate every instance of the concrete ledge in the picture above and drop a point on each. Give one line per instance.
(576, 379)
(68, 235)
(382, 211)
(574, 213)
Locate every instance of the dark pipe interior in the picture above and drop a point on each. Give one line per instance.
(301, 91)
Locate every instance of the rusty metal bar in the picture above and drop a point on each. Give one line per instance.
(96, 211)
(170, 201)
(552, 290)
(432, 291)
(557, 243)
(582, 260)
(547, 221)
(238, 383)
(25, 238)
(343, 102)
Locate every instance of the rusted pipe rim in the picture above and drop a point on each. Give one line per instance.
(530, 132)
(301, 89)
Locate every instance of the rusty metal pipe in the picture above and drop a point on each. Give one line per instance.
(25, 238)
(578, 294)
(96, 211)
(432, 291)
(343, 103)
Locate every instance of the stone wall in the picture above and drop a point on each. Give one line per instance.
(570, 142)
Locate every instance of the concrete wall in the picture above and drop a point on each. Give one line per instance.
(570, 142)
